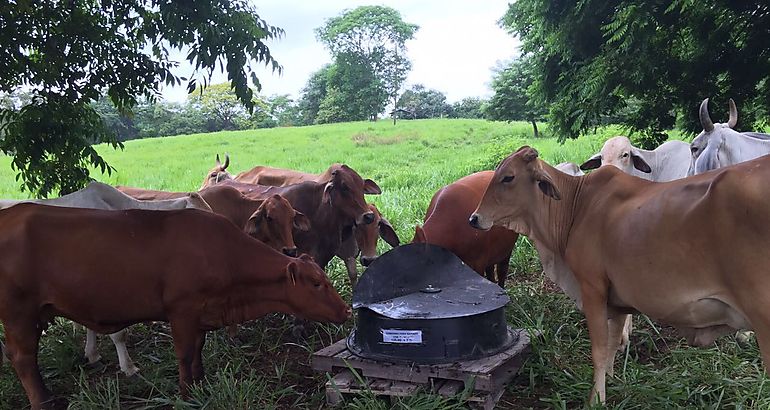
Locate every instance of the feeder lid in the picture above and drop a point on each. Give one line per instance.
(423, 281)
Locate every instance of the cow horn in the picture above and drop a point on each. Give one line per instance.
(227, 162)
(705, 120)
(218, 162)
(733, 115)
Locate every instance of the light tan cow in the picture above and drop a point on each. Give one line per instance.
(681, 252)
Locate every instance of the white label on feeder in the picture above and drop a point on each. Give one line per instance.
(401, 336)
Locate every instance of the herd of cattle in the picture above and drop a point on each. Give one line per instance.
(680, 252)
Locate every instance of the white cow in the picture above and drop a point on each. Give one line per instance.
(102, 196)
(719, 145)
(668, 162)
(570, 168)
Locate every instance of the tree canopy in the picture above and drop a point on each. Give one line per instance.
(591, 58)
(372, 38)
(69, 54)
(420, 102)
(513, 99)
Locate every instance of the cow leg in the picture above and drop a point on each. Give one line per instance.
(22, 339)
(185, 335)
(595, 309)
(350, 265)
(197, 364)
(617, 326)
(126, 364)
(502, 271)
(92, 355)
(489, 273)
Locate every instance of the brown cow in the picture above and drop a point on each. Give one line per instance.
(333, 208)
(110, 269)
(269, 219)
(681, 252)
(363, 241)
(446, 225)
(263, 175)
(218, 173)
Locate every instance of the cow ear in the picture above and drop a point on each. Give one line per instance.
(252, 225)
(371, 187)
(388, 233)
(640, 163)
(301, 221)
(592, 163)
(419, 235)
(291, 272)
(545, 183)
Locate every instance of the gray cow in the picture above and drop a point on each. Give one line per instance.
(719, 145)
(668, 162)
(102, 196)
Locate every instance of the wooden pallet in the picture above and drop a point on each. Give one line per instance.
(486, 377)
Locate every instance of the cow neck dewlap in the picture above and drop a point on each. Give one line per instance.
(552, 219)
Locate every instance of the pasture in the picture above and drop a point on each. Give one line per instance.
(268, 367)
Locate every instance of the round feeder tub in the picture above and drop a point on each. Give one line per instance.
(420, 303)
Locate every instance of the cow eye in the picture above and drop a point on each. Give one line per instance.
(318, 285)
(625, 155)
(213, 174)
(507, 179)
(693, 149)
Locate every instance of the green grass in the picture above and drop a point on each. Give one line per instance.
(269, 368)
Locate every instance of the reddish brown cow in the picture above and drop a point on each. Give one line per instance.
(364, 242)
(110, 269)
(218, 173)
(333, 208)
(263, 175)
(269, 220)
(446, 225)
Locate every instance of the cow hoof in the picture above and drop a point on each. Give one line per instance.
(132, 372)
(93, 360)
(744, 337)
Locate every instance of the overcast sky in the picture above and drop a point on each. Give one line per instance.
(454, 51)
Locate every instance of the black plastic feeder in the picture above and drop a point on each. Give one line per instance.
(420, 303)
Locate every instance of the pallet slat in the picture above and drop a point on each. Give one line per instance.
(488, 375)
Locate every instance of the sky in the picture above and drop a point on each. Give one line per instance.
(454, 51)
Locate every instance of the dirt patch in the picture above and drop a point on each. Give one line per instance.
(363, 139)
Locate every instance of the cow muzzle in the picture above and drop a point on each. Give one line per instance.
(290, 251)
(367, 260)
(478, 222)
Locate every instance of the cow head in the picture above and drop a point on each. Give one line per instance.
(311, 295)
(218, 173)
(705, 148)
(618, 152)
(367, 236)
(518, 183)
(272, 224)
(345, 193)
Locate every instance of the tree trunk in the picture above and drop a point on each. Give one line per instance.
(534, 127)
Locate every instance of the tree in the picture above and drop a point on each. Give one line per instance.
(375, 37)
(353, 92)
(591, 57)
(284, 110)
(513, 99)
(313, 94)
(470, 107)
(70, 53)
(423, 103)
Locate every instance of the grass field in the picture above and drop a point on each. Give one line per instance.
(267, 367)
